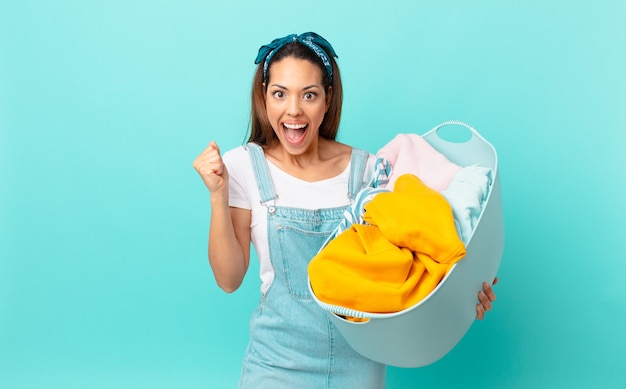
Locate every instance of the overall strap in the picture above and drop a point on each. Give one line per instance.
(358, 161)
(262, 173)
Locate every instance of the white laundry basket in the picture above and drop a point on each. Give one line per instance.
(425, 332)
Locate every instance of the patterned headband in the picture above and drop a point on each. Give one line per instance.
(310, 39)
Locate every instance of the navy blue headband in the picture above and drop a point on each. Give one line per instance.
(310, 39)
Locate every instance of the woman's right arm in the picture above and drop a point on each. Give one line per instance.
(229, 233)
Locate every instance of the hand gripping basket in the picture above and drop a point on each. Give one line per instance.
(425, 332)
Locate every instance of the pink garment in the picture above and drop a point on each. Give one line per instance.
(410, 153)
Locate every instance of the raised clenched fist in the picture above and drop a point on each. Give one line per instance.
(210, 166)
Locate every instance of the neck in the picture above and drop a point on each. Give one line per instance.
(287, 160)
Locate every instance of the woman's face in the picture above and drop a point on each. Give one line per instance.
(296, 103)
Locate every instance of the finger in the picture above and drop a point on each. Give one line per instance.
(484, 301)
(489, 291)
(495, 281)
(208, 162)
(216, 158)
(213, 166)
(214, 146)
(207, 154)
(210, 153)
(219, 169)
(480, 312)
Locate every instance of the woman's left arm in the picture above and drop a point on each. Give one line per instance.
(486, 297)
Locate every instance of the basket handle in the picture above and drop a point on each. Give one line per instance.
(459, 123)
(475, 145)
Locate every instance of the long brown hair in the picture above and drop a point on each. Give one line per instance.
(261, 131)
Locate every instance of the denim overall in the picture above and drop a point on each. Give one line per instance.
(293, 344)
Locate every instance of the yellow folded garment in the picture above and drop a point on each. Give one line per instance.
(396, 260)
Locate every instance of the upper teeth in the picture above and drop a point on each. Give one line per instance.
(295, 126)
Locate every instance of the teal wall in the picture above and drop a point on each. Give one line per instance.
(104, 281)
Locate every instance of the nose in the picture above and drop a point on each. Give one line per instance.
(293, 108)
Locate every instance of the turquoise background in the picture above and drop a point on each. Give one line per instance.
(104, 281)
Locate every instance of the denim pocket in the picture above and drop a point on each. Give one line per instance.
(297, 248)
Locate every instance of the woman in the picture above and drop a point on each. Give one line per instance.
(285, 192)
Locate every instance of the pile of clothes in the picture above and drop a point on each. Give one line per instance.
(403, 233)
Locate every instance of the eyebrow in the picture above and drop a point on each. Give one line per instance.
(305, 88)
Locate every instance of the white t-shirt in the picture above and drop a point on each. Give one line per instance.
(292, 192)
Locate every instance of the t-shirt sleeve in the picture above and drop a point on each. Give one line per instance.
(237, 163)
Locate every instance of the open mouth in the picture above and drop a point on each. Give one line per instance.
(294, 133)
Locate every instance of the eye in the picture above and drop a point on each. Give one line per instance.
(310, 95)
(278, 94)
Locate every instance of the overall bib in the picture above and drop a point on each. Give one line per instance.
(293, 344)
